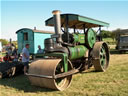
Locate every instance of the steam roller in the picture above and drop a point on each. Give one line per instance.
(68, 52)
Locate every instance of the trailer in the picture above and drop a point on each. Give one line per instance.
(32, 37)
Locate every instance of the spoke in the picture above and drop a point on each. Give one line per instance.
(102, 57)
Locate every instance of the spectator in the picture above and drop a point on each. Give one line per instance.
(13, 47)
(14, 53)
(40, 50)
(7, 58)
(10, 51)
(25, 57)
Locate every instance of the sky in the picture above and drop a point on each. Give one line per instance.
(15, 15)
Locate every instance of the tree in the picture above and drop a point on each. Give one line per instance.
(4, 41)
(115, 33)
(106, 34)
(15, 43)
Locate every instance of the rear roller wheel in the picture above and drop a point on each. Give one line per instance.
(100, 56)
(49, 67)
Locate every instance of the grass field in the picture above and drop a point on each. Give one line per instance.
(2, 54)
(113, 82)
(110, 41)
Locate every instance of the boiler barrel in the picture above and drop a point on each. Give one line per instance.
(77, 51)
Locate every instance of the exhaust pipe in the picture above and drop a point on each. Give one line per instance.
(57, 24)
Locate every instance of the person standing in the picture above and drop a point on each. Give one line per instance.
(40, 50)
(9, 51)
(25, 57)
(14, 53)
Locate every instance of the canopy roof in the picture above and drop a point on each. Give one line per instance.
(37, 31)
(77, 21)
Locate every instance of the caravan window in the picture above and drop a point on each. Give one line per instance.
(25, 36)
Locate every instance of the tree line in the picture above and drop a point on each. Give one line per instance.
(5, 42)
(112, 34)
(104, 34)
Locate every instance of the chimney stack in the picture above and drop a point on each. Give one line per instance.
(57, 24)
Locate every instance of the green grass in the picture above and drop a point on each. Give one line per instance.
(113, 82)
(2, 54)
(110, 41)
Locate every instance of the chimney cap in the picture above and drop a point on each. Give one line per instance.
(34, 28)
(56, 12)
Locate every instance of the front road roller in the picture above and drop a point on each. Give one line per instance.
(42, 73)
(67, 52)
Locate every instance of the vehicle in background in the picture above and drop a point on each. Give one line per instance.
(122, 41)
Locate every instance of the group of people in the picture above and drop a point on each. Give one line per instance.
(25, 56)
(11, 54)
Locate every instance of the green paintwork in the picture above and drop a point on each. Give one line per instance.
(77, 51)
(77, 21)
(63, 56)
(76, 39)
(79, 38)
(91, 38)
(102, 57)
